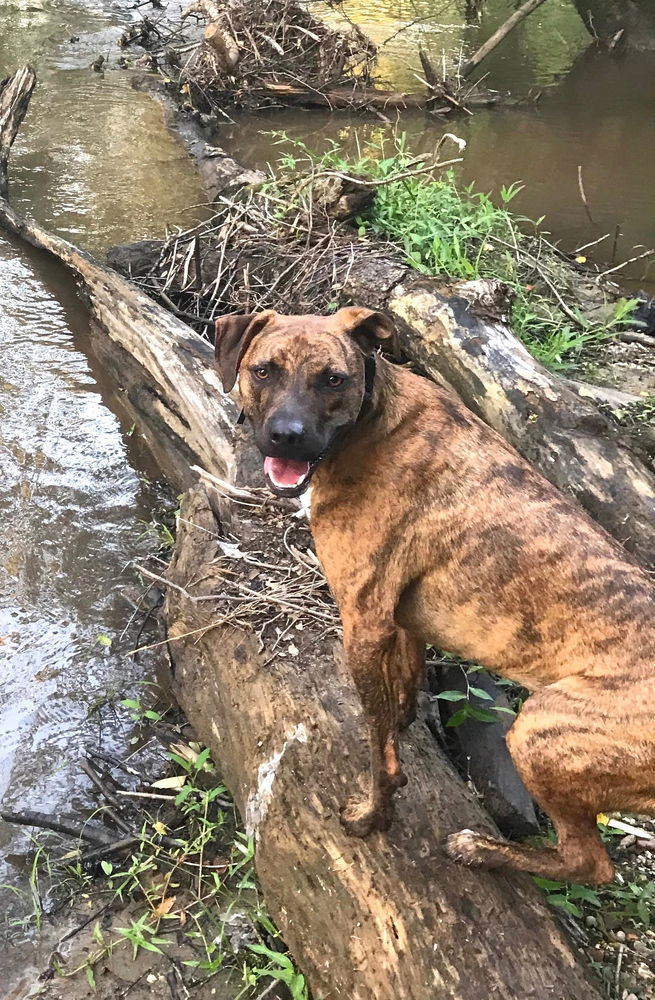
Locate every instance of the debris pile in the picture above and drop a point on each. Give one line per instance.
(252, 51)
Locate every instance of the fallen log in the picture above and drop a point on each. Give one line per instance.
(361, 98)
(383, 918)
(498, 36)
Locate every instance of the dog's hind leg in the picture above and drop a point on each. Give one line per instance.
(562, 750)
(371, 653)
(408, 670)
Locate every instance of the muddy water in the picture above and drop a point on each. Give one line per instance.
(95, 164)
(595, 111)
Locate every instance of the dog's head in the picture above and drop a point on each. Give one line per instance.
(302, 383)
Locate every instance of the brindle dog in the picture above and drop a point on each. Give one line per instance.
(431, 528)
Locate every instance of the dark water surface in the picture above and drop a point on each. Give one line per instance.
(94, 163)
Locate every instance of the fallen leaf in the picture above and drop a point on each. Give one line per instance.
(177, 781)
(184, 751)
(166, 905)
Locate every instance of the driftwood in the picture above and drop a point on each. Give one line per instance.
(498, 36)
(348, 98)
(384, 918)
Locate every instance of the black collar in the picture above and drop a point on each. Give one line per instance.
(370, 368)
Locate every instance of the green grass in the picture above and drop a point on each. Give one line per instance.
(191, 871)
(444, 228)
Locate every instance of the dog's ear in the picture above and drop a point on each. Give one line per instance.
(232, 338)
(368, 328)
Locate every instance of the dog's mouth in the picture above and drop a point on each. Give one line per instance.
(287, 477)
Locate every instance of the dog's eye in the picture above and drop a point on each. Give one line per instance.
(334, 381)
(261, 373)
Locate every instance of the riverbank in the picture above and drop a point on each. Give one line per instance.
(624, 910)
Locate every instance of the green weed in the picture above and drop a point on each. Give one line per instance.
(142, 935)
(443, 227)
(568, 897)
(467, 709)
(278, 967)
(613, 905)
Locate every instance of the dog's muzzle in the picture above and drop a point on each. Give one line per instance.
(288, 477)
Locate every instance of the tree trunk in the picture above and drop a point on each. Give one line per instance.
(374, 919)
(381, 918)
(15, 93)
(632, 20)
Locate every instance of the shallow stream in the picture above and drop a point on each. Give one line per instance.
(94, 163)
(592, 110)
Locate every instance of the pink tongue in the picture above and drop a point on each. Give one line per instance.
(284, 472)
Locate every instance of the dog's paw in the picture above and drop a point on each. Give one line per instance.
(396, 781)
(359, 819)
(476, 849)
(465, 847)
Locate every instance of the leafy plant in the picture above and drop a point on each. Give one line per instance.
(280, 967)
(568, 897)
(142, 935)
(467, 709)
(443, 227)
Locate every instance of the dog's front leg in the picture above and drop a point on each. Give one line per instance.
(370, 655)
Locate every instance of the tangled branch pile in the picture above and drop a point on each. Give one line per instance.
(288, 246)
(251, 46)
(259, 252)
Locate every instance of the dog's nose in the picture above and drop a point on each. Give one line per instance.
(285, 431)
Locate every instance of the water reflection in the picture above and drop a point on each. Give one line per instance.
(94, 163)
(593, 113)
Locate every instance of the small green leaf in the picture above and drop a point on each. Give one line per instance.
(458, 718)
(451, 696)
(482, 714)
(90, 978)
(560, 900)
(547, 883)
(107, 867)
(585, 893)
(481, 693)
(103, 640)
